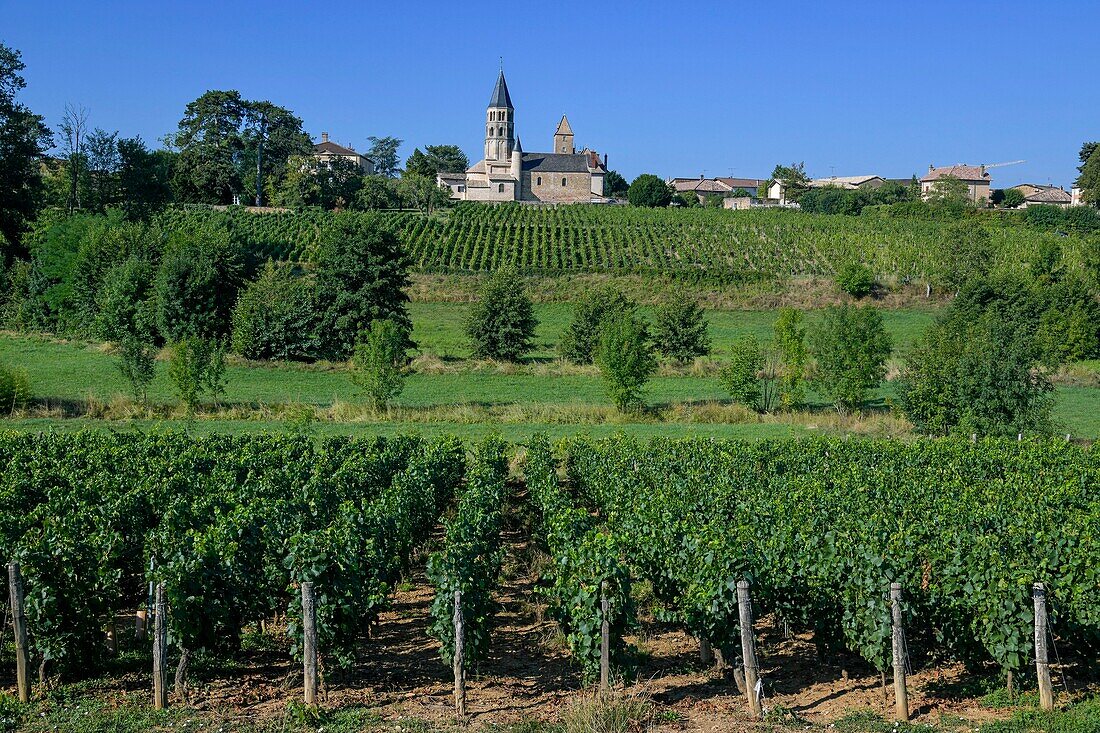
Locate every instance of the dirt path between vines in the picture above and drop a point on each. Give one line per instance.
(528, 675)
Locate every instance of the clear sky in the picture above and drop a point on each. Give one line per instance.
(673, 88)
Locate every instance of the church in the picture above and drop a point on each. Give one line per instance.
(509, 174)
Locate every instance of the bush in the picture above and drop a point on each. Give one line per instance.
(681, 329)
(607, 713)
(850, 346)
(137, 361)
(790, 344)
(649, 190)
(276, 317)
(579, 340)
(362, 274)
(626, 361)
(126, 307)
(978, 376)
(378, 365)
(197, 284)
(502, 323)
(855, 279)
(15, 389)
(197, 368)
(1012, 198)
(750, 375)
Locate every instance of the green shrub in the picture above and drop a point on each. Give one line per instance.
(855, 279)
(790, 344)
(15, 388)
(276, 317)
(850, 347)
(197, 284)
(681, 329)
(978, 376)
(579, 340)
(362, 274)
(501, 325)
(125, 304)
(137, 361)
(626, 360)
(750, 376)
(650, 191)
(378, 365)
(197, 368)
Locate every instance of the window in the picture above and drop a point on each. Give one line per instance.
(538, 181)
(500, 188)
(461, 188)
(563, 183)
(500, 131)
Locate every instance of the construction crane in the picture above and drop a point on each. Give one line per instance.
(1002, 165)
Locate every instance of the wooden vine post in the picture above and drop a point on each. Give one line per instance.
(1042, 664)
(706, 654)
(901, 695)
(459, 660)
(748, 648)
(160, 650)
(605, 639)
(309, 644)
(19, 627)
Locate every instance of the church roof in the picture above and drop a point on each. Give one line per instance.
(555, 162)
(518, 148)
(563, 127)
(500, 96)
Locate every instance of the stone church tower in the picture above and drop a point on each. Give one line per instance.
(563, 138)
(500, 124)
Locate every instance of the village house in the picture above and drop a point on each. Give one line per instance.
(1036, 194)
(507, 173)
(850, 183)
(976, 178)
(1075, 196)
(327, 151)
(724, 187)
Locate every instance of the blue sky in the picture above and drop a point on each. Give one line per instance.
(880, 87)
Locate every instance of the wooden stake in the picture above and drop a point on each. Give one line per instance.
(605, 639)
(309, 643)
(706, 654)
(901, 695)
(1042, 665)
(459, 660)
(748, 648)
(160, 651)
(19, 627)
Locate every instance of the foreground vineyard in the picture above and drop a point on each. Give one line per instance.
(234, 526)
(721, 246)
(822, 528)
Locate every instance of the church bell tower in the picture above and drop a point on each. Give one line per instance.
(500, 124)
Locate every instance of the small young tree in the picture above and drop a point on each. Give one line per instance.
(580, 339)
(855, 279)
(626, 360)
(681, 330)
(850, 346)
(502, 323)
(790, 345)
(751, 376)
(378, 365)
(14, 388)
(1012, 198)
(196, 368)
(137, 361)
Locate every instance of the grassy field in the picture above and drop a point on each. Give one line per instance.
(437, 327)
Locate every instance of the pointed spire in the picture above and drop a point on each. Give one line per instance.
(518, 148)
(500, 96)
(563, 127)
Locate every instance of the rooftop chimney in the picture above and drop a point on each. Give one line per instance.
(931, 167)
(605, 160)
(324, 137)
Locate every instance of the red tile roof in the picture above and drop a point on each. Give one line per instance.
(962, 172)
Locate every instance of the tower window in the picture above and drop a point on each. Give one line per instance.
(500, 188)
(500, 131)
(538, 181)
(563, 182)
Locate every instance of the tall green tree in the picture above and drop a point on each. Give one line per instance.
(383, 151)
(649, 190)
(24, 139)
(626, 360)
(615, 185)
(362, 274)
(144, 177)
(850, 347)
(437, 159)
(794, 179)
(1089, 178)
(422, 192)
(229, 145)
(501, 325)
(378, 365)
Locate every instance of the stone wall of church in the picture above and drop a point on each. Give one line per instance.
(577, 186)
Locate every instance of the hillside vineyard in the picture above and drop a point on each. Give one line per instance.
(701, 243)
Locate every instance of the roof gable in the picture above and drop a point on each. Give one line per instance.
(563, 127)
